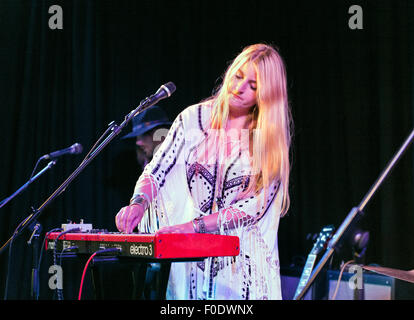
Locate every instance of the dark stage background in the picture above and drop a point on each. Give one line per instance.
(351, 93)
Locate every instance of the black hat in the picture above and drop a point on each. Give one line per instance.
(147, 120)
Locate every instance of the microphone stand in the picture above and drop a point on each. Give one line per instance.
(35, 228)
(31, 220)
(354, 215)
(23, 187)
(146, 103)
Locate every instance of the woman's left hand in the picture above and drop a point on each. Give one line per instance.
(178, 228)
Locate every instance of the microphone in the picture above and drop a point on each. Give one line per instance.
(73, 149)
(165, 91)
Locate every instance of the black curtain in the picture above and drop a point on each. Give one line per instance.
(351, 93)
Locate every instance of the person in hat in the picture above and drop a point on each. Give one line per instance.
(224, 168)
(149, 129)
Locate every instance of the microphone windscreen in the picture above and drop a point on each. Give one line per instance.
(170, 87)
(77, 148)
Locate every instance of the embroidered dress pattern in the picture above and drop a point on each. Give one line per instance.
(187, 188)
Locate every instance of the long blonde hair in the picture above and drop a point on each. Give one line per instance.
(271, 121)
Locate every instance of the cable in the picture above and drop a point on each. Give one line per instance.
(339, 279)
(60, 291)
(6, 290)
(83, 274)
(41, 253)
(87, 264)
(63, 251)
(44, 244)
(10, 243)
(74, 230)
(15, 234)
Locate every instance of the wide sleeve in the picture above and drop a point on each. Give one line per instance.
(256, 221)
(163, 180)
(166, 159)
(249, 210)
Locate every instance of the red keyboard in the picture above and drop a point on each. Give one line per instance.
(156, 246)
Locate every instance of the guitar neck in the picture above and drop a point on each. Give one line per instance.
(307, 270)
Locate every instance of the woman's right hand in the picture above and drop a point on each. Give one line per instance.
(129, 217)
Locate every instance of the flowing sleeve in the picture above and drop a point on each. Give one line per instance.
(256, 221)
(165, 159)
(163, 181)
(251, 209)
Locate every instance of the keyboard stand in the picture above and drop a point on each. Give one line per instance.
(141, 268)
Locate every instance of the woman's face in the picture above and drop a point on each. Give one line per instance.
(243, 88)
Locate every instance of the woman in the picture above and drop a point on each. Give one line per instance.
(224, 168)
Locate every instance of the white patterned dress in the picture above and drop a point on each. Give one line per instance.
(187, 189)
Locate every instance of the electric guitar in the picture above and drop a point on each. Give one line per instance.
(319, 245)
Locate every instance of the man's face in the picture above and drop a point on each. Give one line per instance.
(147, 144)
